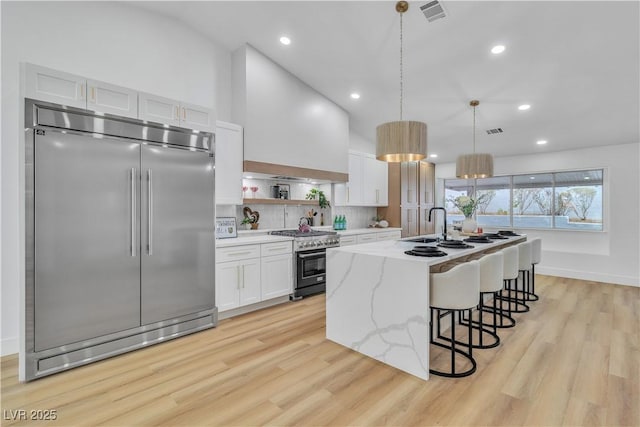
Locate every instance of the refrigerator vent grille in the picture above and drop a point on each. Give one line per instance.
(433, 10)
(494, 131)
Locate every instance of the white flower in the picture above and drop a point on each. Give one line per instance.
(464, 200)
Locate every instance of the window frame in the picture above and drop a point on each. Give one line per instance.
(605, 197)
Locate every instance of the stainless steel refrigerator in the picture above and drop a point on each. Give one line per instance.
(119, 235)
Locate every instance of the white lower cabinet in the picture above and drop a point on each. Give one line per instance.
(277, 276)
(348, 240)
(389, 235)
(366, 238)
(237, 283)
(248, 274)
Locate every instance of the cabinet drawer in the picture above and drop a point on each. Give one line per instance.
(278, 248)
(389, 235)
(367, 238)
(235, 253)
(348, 240)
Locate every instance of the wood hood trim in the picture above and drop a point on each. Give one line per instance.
(293, 171)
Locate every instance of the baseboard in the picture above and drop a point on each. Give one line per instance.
(252, 307)
(589, 275)
(9, 346)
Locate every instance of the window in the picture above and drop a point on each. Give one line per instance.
(562, 200)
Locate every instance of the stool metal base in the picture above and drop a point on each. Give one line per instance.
(512, 297)
(452, 347)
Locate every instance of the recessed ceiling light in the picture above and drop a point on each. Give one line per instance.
(532, 177)
(285, 40)
(433, 156)
(313, 182)
(249, 177)
(355, 95)
(497, 49)
(541, 142)
(586, 177)
(524, 107)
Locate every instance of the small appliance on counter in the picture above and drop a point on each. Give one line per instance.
(280, 191)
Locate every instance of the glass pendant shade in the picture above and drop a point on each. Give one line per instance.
(476, 165)
(401, 141)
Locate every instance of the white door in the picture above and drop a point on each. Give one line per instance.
(228, 279)
(107, 98)
(277, 276)
(45, 84)
(250, 282)
(382, 183)
(228, 164)
(158, 109)
(197, 117)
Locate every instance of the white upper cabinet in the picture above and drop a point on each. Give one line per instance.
(228, 164)
(157, 109)
(45, 84)
(167, 111)
(108, 98)
(368, 183)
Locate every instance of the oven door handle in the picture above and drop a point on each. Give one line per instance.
(316, 255)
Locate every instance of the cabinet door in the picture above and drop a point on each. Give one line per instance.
(228, 279)
(87, 262)
(426, 183)
(277, 276)
(354, 186)
(55, 86)
(158, 109)
(367, 238)
(228, 164)
(348, 240)
(250, 282)
(197, 117)
(382, 182)
(340, 194)
(409, 219)
(409, 184)
(370, 190)
(107, 98)
(177, 233)
(426, 226)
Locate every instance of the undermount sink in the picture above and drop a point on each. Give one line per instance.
(423, 240)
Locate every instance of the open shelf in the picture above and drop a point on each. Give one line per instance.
(279, 202)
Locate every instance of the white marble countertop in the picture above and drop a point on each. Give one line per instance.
(366, 230)
(377, 300)
(250, 240)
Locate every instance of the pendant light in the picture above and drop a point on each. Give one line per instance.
(475, 165)
(401, 141)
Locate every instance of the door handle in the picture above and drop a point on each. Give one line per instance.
(243, 277)
(93, 94)
(149, 212)
(132, 176)
(177, 113)
(238, 277)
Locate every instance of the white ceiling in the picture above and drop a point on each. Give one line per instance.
(575, 62)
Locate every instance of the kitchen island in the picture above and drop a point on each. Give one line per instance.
(377, 300)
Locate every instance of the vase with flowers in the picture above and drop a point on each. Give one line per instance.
(467, 205)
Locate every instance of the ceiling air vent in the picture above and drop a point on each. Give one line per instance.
(433, 11)
(494, 131)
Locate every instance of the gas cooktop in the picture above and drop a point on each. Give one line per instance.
(297, 233)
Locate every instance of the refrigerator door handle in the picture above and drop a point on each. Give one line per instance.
(133, 211)
(149, 212)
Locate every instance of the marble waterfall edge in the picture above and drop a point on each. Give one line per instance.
(375, 306)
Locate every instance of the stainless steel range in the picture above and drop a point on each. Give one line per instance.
(310, 261)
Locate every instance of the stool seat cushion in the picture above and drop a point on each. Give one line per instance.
(536, 250)
(510, 269)
(524, 256)
(491, 274)
(456, 289)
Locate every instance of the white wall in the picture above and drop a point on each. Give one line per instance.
(611, 256)
(358, 143)
(107, 41)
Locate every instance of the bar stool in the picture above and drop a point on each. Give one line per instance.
(491, 282)
(514, 305)
(454, 291)
(524, 267)
(536, 257)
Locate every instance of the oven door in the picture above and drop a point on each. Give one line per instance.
(311, 268)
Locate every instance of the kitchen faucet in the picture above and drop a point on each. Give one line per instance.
(445, 219)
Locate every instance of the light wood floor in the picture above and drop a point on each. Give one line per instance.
(572, 360)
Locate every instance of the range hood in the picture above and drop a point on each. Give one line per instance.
(282, 172)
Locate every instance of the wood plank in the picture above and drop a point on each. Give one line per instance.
(574, 359)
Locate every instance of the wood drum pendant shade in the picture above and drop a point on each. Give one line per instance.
(401, 141)
(475, 165)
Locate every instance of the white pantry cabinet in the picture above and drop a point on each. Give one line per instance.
(367, 184)
(228, 164)
(168, 111)
(45, 84)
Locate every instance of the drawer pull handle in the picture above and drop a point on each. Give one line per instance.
(239, 253)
